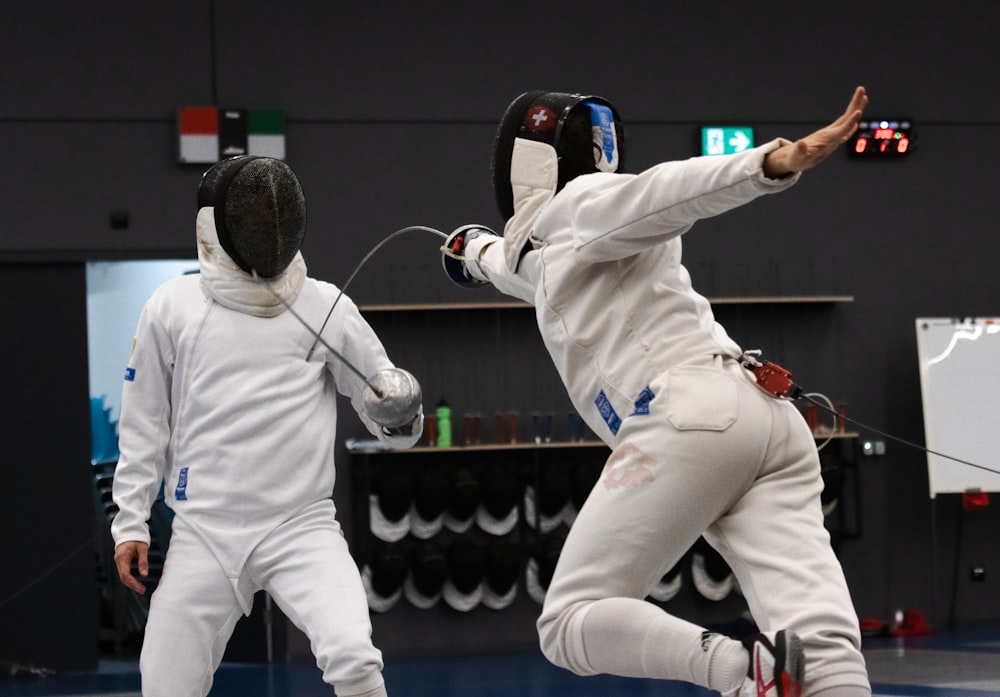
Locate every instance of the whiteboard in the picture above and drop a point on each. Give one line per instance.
(960, 387)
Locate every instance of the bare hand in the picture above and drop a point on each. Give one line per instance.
(124, 554)
(809, 151)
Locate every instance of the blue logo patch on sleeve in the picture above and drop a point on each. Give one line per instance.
(642, 403)
(130, 374)
(180, 493)
(608, 412)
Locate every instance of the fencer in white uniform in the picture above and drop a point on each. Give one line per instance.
(229, 401)
(697, 446)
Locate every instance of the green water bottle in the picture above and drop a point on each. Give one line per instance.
(443, 413)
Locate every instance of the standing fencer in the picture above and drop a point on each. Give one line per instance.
(229, 400)
(697, 446)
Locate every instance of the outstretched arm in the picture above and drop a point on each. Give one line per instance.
(809, 151)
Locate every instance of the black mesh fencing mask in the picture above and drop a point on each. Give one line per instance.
(260, 212)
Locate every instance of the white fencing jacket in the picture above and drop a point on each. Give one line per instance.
(220, 404)
(614, 304)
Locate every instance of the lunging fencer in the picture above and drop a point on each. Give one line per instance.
(697, 446)
(226, 404)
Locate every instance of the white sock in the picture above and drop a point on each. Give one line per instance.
(377, 692)
(727, 664)
(634, 638)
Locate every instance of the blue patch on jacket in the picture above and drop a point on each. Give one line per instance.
(130, 374)
(642, 403)
(608, 412)
(180, 493)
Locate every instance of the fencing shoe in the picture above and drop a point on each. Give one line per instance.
(776, 665)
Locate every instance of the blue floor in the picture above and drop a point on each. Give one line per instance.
(956, 664)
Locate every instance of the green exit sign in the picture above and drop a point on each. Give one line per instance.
(725, 140)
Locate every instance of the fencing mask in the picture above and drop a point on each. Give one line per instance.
(463, 589)
(585, 132)
(383, 577)
(260, 212)
(503, 567)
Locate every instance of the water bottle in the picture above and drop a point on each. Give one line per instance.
(443, 413)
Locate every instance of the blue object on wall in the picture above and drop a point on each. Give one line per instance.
(103, 433)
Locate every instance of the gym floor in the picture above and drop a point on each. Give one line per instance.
(964, 663)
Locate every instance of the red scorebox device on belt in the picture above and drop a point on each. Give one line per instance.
(775, 380)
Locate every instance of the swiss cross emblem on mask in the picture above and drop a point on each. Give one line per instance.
(540, 118)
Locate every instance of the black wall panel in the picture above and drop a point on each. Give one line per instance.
(48, 588)
(390, 113)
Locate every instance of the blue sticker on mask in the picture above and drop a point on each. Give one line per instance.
(608, 412)
(642, 403)
(130, 374)
(605, 140)
(180, 493)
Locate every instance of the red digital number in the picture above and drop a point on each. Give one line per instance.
(860, 145)
(884, 133)
(902, 145)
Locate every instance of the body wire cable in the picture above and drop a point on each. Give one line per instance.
(808, 397)
(357, 268)
(319, 334)
(751, 360)
(87, 544)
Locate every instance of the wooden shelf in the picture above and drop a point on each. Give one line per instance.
(492, 447)
(837, 434)
(781, 299)
(527, 445)
(406, 307)
(517, 305)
